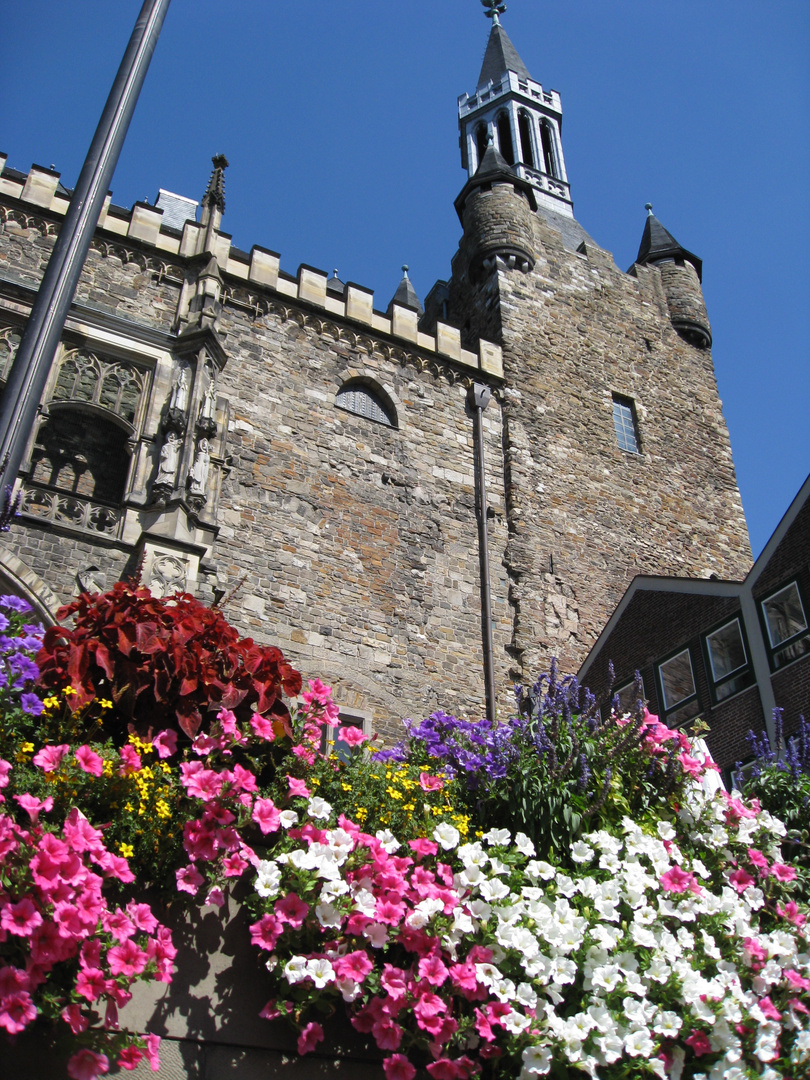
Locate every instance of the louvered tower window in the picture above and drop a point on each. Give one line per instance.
(361, 399)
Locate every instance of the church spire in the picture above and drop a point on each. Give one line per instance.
(522, 119)
(501, 55)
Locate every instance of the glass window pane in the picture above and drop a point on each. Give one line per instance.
(677, 680)
(784, 615)
(625, 424)
(726, 650)
(627, 697)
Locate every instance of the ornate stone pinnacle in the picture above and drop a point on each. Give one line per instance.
(494, 9)
(215, 192)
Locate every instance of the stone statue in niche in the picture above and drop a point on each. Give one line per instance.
(179, 398)
(198, 474)
(169, 458)
(209, 401)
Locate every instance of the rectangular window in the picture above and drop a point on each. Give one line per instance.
(628, 697)
(786, 624)
(678, 691)
(624, 421)
(728, 660)
(331, 744)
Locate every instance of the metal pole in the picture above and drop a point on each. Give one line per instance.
(479, 397)
(32, 363)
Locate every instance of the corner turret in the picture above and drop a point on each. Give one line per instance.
(495, 207)
(681, 276)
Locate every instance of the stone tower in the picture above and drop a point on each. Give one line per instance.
(616, 454)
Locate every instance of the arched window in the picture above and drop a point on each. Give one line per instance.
(111, 384)
(549, 160)
(505, 139)
(81, 455)
(481, 141)
(366, 400)
(524, 129)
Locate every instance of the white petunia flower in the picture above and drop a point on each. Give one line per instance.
(319, 808)
(498, 837)
(446, 835)
(376, 934)
(539, 869)
(328, 915)
(320, 971)
(288, 818)
(389, 842)
(580, 852)
(524, 845)
(295, 969)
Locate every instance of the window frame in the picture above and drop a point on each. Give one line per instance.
(376, 394)
(776, 659)
(346, 718)
(622, 402)
(743, 674)
(670, 712)
(628, 686)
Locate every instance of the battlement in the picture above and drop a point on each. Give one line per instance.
(510, 83)
(41, 189)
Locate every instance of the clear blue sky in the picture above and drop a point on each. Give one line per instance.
(339, 120)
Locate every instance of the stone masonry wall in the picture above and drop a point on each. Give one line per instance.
(584, 515)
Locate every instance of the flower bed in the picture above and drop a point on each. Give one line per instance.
(556, 893)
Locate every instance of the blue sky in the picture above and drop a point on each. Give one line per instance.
(339, 120)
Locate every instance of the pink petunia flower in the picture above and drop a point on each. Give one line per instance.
(352, 735)
(262, 727)
(354, 965)
(189, 879)
(741, 880)
(769, 1009)
(266, 932)
(17, 1011)
(89, 761)
(423, 847)
(151, 1050)
(49, 758)
(699, 1042)
(21, 918)
(33, 806)
(797, 981)
(298, 787)
(87, 1065)
(428, 782)
(126, 959)
(75, 1018)
(165, 743)
(129, 1058)
(292, 910)
(130, 761)
(310, 1037)
(678, 881)
(791, 912)
(758, 859)
(266, 815)
(397, 1067)
(432, 970)
(783, 873)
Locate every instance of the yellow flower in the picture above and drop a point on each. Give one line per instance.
(127, 850)
(346, 787)
(105, 704)
(27, 747)
(162, 809)
(69, 691)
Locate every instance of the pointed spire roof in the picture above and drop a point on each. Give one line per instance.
(493, 165)
(215, 192)
(657, 244)
(501, 56)
(405, 295)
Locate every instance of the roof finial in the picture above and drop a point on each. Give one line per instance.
(215, 192)
(405, 269)
(648, 208)
(494, 9)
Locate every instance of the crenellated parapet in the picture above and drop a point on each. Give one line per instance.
(195, 257)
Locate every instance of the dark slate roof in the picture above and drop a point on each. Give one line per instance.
(493, 163)
(572, 233)
(501, 56)
(405, 295)
(657, 244)
(335, 285)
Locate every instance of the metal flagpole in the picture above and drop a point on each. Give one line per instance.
(32, 363)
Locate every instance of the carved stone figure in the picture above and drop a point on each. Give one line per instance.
(169, 457)
(179, 399)
(198, 474)
(209, 401)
